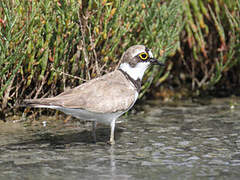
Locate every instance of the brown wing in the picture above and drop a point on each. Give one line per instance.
(109, 93)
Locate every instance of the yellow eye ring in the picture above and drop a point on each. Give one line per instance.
(143, 56)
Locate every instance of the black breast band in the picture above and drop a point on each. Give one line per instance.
(136, 83)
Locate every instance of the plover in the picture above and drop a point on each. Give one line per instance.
(105, 98)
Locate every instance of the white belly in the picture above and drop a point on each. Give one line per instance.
(81, 114)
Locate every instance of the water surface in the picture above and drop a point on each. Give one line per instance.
(182, 140)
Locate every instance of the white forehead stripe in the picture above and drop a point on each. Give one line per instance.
(150, 54)
(140, 51)
(136, 52)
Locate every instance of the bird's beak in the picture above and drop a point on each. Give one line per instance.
(156, 62)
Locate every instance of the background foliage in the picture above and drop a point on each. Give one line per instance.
(209, 55)
(49, 45)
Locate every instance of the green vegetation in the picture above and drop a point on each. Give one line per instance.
(210, 42)
(49, 45)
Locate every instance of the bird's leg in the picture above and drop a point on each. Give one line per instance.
(94, 124)
(112, 132)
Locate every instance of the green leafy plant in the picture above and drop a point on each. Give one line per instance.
(210, 42)
(47, 46)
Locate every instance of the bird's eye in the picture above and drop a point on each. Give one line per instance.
(143, 56)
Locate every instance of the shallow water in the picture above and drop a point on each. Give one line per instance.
(162, 141)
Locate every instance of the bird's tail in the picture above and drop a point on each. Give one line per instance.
(37, 103)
